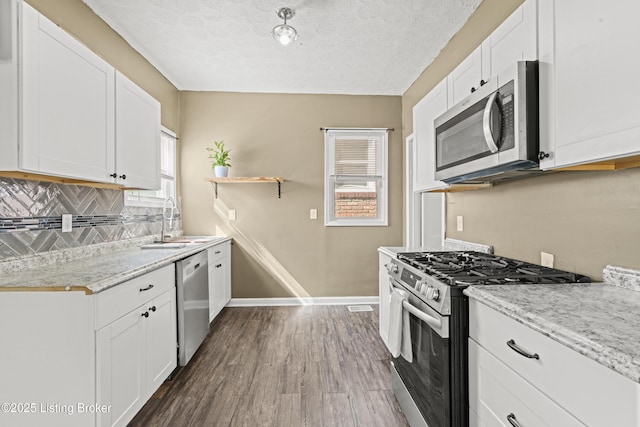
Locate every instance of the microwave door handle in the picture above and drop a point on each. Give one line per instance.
(486, 123)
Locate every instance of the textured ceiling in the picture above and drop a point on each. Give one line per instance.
(372, 47)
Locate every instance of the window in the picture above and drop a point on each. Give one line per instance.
(355, 177)
(156, 198)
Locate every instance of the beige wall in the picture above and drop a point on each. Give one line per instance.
(586, 219)
(278, 251)
(80, 21)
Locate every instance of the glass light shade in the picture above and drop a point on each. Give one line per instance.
(285, 34)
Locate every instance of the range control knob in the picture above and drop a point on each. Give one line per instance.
(422, 288)
(432, 293)
(394, 268)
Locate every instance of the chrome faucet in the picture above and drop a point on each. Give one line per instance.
(164, 217)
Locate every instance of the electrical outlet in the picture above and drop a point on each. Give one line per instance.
(313, 213)
(460, 223)
(232, 214)
(67, 223)
(546, 260)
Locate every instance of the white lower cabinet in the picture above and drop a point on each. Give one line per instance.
(219, 278)
(497, 395)
(556, 387)
(136, 352)
(385, 296)
(82, 360)
(134, 355)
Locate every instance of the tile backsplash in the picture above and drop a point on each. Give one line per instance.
(30, 217)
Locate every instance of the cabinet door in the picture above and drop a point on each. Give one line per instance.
(514, 40)
(137, 136)
(67, 104)
(216, 288)
(226, 287)
(424, 113)
(120, 370)
(385, 296)
(162, 340)
(464, 77)
(589, 86)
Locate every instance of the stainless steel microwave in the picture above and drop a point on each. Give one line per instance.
(492, 134)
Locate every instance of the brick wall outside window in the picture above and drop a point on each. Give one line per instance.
(356, 204)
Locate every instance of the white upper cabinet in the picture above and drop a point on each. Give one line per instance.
(466, 77)
(64, 99)
(424, 113)
(589, 86)
(137, 136)
(514, 40)
(65, 113)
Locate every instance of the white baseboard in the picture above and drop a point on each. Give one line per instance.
(260, 302)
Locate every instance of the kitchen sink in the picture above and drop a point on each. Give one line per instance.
(181, 242)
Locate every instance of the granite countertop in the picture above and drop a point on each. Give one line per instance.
(99, 272)
(598, 320)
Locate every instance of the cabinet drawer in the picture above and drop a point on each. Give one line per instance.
(496, 393)
(120, 300)
(218, 252)
(580, 385)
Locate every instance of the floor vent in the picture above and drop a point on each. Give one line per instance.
(358, 308)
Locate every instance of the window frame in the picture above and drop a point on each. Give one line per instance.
(138, 198)
(382, 181)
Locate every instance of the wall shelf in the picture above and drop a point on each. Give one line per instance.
(245, 180)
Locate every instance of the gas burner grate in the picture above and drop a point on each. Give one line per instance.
(474, 268)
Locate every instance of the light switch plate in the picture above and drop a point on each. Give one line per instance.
(459, 223)
(67, 223)
(232, 214)
(313, 213)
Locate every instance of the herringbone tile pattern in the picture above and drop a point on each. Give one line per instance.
(30, 217)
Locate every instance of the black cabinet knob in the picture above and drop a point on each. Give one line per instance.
(152, 308)
(473, 89)
(543, 155)
(482, 82)
(113, 175)
(123, 176)
(145, 314)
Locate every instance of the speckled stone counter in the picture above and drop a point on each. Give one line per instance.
(598, 320)
(98, 272)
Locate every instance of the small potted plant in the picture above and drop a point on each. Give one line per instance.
(220, 163)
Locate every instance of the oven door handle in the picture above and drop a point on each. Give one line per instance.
(426, 318)
(490, 110)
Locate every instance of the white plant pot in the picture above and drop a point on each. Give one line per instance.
(221, 171)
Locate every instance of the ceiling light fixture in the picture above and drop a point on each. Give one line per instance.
(284, 33)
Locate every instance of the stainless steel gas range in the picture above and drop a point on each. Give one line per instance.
(432, 388)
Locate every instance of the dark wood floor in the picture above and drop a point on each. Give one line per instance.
(282, 366)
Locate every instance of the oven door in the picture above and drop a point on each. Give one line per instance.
(426, 378)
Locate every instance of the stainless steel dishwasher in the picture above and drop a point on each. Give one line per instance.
(192, 303)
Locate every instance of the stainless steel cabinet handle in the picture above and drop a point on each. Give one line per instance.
(512, 344)
(487, 118)
(147, 288)
(513, 420)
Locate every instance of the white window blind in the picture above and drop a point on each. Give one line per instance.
(355, 177)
